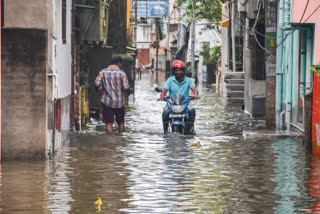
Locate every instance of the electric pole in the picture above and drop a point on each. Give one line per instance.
(136, 12)
(234, 68)
(168, 35)
(192, 41)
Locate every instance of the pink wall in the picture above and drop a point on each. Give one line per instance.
(297, 11)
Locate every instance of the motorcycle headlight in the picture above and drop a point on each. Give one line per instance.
(177, 108)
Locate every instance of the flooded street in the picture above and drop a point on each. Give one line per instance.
(144, 171)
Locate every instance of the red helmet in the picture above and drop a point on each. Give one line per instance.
(178, 64)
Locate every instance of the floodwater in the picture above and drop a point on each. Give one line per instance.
(144, 171)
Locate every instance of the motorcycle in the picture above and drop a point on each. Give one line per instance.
(177, 106)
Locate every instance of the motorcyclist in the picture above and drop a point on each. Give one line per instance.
(179, 84)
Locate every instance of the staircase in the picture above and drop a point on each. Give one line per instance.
(234, 82)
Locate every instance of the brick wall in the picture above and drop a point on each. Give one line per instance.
(144, 56)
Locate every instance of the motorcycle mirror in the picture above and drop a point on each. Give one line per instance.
(158, 89)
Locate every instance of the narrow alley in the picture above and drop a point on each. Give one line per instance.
(144, 171)
(160, 106)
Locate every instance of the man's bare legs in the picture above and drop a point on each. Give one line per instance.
(109, 128)
(121, 128)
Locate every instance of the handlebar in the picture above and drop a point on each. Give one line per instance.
(167, 97)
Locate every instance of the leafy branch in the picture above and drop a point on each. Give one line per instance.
(210, 55)
(209, 10)
(316, 69)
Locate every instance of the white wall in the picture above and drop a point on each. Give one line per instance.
(61, 53)
(143, 36)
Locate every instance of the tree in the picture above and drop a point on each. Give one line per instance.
(209, 10)
(210, 55)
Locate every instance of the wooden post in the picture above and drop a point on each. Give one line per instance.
(307, 140)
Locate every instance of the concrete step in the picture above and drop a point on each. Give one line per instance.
(234, 75)
(235, 81)
(235, 100)
(239, 94)
(235, 87)
(270, 134)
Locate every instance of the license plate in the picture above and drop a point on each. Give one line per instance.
(176, 115)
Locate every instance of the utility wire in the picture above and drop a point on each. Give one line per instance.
(286, 36)
(299, 24)
(253, 30)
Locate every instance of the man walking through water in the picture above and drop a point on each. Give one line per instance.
(112, 82)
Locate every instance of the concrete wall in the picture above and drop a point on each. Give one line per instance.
(297, 12)
(24, 101)
(89, 17)
(98, 59)
(62, 135)
(25, 13)
(117, 33)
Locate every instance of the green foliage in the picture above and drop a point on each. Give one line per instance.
(210, 55)
(209, 10)
(316, 69)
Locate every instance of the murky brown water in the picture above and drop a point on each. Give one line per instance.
(143, 171)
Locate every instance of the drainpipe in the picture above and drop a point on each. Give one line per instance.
(233, 36)
(279, 77)
(54, 80)
(303, 66)
(288, 64)
(282, 119)
(73, 64)
(295, 69)
(309, 61)
(289, 83)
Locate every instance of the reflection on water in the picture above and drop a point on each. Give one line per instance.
(60, 173)
(286, 177)
(144, 171)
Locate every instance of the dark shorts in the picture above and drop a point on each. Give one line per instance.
(109, 113)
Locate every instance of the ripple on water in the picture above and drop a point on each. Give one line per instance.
(144, 171)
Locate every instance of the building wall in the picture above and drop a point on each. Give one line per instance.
(24, 100)
(143, 56)
(297, 12)
(117, 33)
(61, 53)
(143, 38)
(25, 13)
(99, 58)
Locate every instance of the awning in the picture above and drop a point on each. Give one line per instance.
(225, 23)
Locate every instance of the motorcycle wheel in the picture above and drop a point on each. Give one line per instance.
(175, 129)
